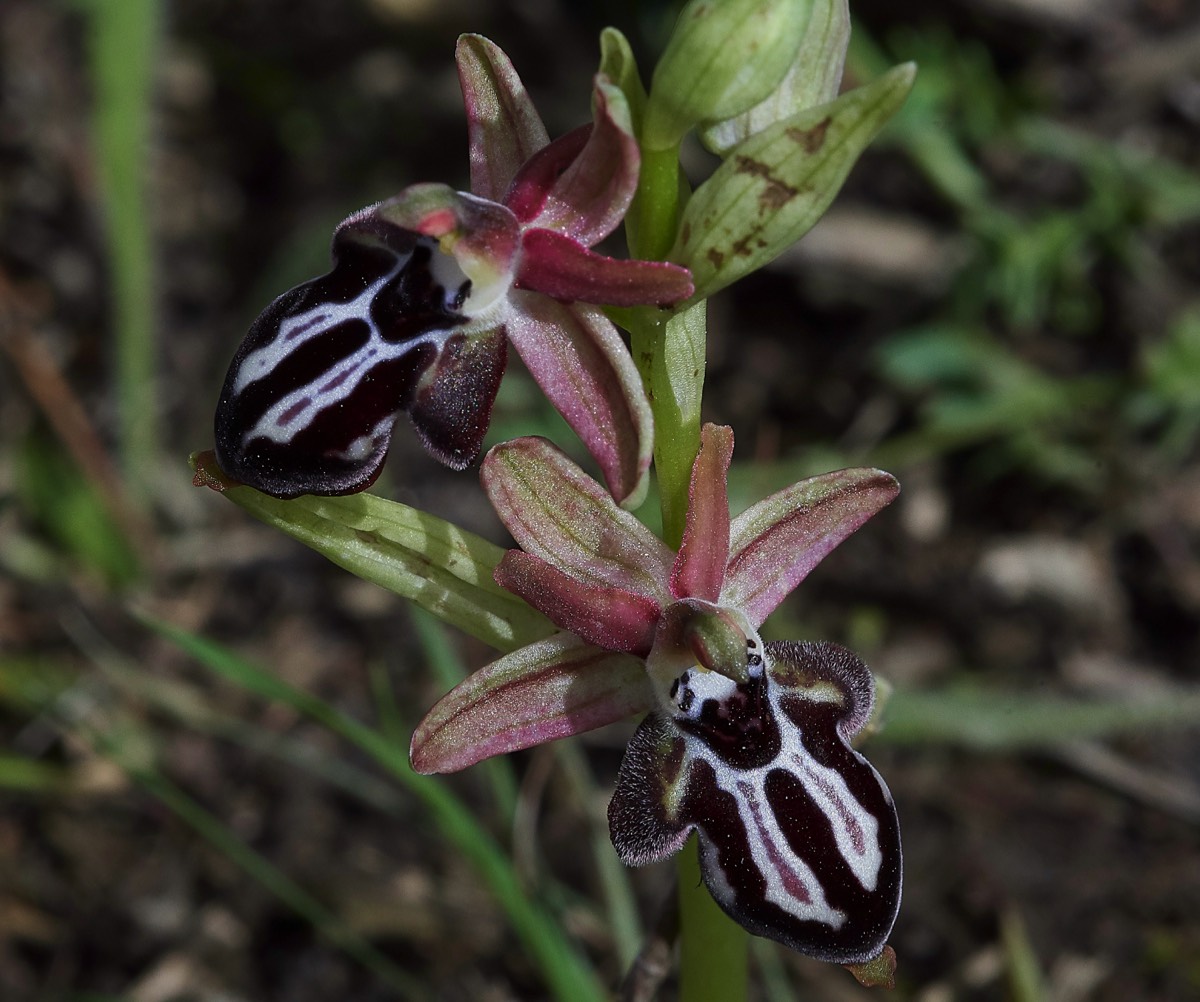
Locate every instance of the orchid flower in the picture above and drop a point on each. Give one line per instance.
(427, 290)
(746, 743)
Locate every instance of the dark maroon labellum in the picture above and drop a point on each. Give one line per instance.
(799, 839)
(315, 388)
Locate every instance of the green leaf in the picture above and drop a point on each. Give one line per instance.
(773, 187)
(442, 568)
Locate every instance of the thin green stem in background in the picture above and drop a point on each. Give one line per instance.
(123, 43)
(261, 869)
(565, 969)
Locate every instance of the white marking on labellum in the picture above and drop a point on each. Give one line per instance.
(791, 883)
(855, 829)
(302, 327)
(295, 411)
(365, 445)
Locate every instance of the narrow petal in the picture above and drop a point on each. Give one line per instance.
(452, 406)
(530, 188)
(563, 269)
(557, 512)
(776, 543)
(643, 815)
(589, 199)
(700, 565)
(503, 127)
(608, 617)
(582, 365)
(551, 689)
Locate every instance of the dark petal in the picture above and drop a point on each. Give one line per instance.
(739, 729)
(453, 402)
(643, 818)
(801, 842)
(822, 678)
(312, 394)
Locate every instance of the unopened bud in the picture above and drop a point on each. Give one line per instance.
(724, 57)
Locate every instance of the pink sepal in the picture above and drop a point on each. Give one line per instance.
(608, 617)
(547, 690)
(503, 127)
(558, 266)
(582, 365)
(776, 543)
(557, 512)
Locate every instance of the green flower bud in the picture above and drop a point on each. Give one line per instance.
(724, 57)
(813, 79)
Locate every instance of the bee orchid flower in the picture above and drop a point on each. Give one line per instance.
(744, 742)
(428, 289)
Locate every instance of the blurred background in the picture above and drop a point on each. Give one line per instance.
(1002, 308)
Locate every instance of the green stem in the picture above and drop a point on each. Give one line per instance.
(713, 949)
(670, 354)
(651, 226)
(671, 358)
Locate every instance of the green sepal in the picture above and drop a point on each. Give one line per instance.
(617, 62)
(774, 186)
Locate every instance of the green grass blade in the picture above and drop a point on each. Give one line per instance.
(123, 43)
(27, 775)
(262, 870)
(1025, 980)
(612, 876)
(987, 720)
(564, 968)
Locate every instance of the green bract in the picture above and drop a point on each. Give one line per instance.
(442, 568)
(724, 57)
(775, 185)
